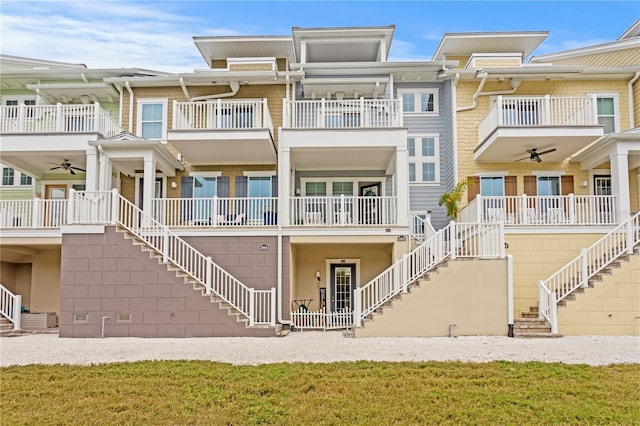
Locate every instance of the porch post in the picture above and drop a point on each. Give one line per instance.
(402, 184)
(284, 184)
(620, 184)
(149, 183)
(91, 177)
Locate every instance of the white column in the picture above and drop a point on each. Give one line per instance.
(620, 184)
(402, 183)
(149, 183)
(284, 184)
(91, 177)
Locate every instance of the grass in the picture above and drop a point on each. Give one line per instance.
(193, 392)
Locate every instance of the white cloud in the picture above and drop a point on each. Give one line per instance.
(405, 51)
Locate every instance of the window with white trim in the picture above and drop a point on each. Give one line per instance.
(608, 108)
(422, 101)
(152, 118)
(11, 177)
(423, 153)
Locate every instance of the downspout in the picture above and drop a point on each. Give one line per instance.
(454, 131)
(515, 83)
(279, 297)
(510, 294)
(128, 86)
(119, 106)
(184, 90)
(84, 77)
(234, 85)
(630, 96)
(475, 95)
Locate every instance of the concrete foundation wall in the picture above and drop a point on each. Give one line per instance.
(106, 275)
(612, 307)
(472, 294)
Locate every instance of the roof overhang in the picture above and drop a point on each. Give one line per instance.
(462, 44)
(244, 47)
(614, 143)
(78, 92)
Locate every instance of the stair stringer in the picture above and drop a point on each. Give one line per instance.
(609, 305)
(469, 294)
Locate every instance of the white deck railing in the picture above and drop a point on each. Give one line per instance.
(222, 114)
(421, 228)
(34, 213)
(322, 320)
(89, 118)
(455, 240)
(575, 274)
(343, 211)
(216, 212)
(342, 114)
(10, 306)
(542, 210)
(517, 111)
(92, 207)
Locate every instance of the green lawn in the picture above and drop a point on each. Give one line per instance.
(186, 392)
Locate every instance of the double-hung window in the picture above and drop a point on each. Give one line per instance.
(607, 105)
(422, 101)
(423, 159)
(11, 177)
(152, 118)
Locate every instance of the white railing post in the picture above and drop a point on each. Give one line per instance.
(35, 213)
(219, 114)
(453, 240)
(499, 114)
(21, 117)
(479, 208)
(404, 266)
(502, 248)
(584, 268)
(71, 206)
(571, 201)
(361, 106)
(524, 213)
(174, 120)
(252, 305)
(546, 116)
(209, 275)
(165, 244)
(629, 235)
(96, 118)
(342, 210)
(115, 204)
(59, 118)
(593, 116)
(17, 312)
(261, 117)
(357, 307)
(322, 112)
(541, 298)
(553, 312)
(273, 306)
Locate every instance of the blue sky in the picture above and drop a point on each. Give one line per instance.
(158, 34)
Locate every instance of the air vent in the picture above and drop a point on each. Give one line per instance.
(80, 317)
(123, 317)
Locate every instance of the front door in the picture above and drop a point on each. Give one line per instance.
(603, 205)
(157, 193)
(55, 207)
(343, 279)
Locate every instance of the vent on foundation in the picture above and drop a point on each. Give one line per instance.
(80, 317)
(121, 317)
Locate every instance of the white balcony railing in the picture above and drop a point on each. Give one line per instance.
(215, 211)
(344, 211)
(222, 114)
(516, 111)
(541, 210)
(35, 213)
(342, 113)
(58, 118)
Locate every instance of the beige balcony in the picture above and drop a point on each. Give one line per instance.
(223, 131)
(515, 124)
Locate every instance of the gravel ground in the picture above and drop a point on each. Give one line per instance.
(312, 346)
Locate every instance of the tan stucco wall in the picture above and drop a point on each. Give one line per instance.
(468, 122)
(8, 276)
(45, 282)
(634, 191)
(538, 256)
(307, 259)
(472, 294)
(612, 307)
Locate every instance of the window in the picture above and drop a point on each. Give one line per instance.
(25, 180)
(606, 114)
(419, 101)
(7, 176)
(423, 159)
(204, 186)
(15, 103)
(492, 186)
(152, 118)
(548, 185)
(315, 189)
(342, 188)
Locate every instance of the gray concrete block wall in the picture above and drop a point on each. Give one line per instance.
(106, 274)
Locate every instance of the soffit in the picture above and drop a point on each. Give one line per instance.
(459, 44)
(244, 47)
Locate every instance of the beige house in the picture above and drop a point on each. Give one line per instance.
(293, 184)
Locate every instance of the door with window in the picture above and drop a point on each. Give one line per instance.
(343, 280)
(156, 207)
(603, 205)
(55, 205)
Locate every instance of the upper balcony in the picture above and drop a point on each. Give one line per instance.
(223, 131)
(342, 114)
(515, 124)
(69, 119)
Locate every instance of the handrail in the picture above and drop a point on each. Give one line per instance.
(591, 261)
(469, 240)
(345, 113)
(421, 228)
(222, 114)
(10, 306)
(254, 304)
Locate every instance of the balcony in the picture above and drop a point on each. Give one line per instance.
(33, 214)
(223, 131)
(515, 124)
(344, 211)
(342, 114)
(524, 210)
(30, 119)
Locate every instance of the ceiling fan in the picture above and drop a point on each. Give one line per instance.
(67, 167)
(534, 155)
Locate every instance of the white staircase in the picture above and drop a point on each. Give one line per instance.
(10, 308)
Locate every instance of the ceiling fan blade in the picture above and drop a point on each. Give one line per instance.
(77, 168)
(538, 159)
(528, 157)
(547, 151)
(72, 172)
(532, 151)
(53, 168)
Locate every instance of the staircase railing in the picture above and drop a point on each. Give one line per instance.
(470, 240)
(592, 260)
(10, 306)
(110, 207)
(421, 228)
